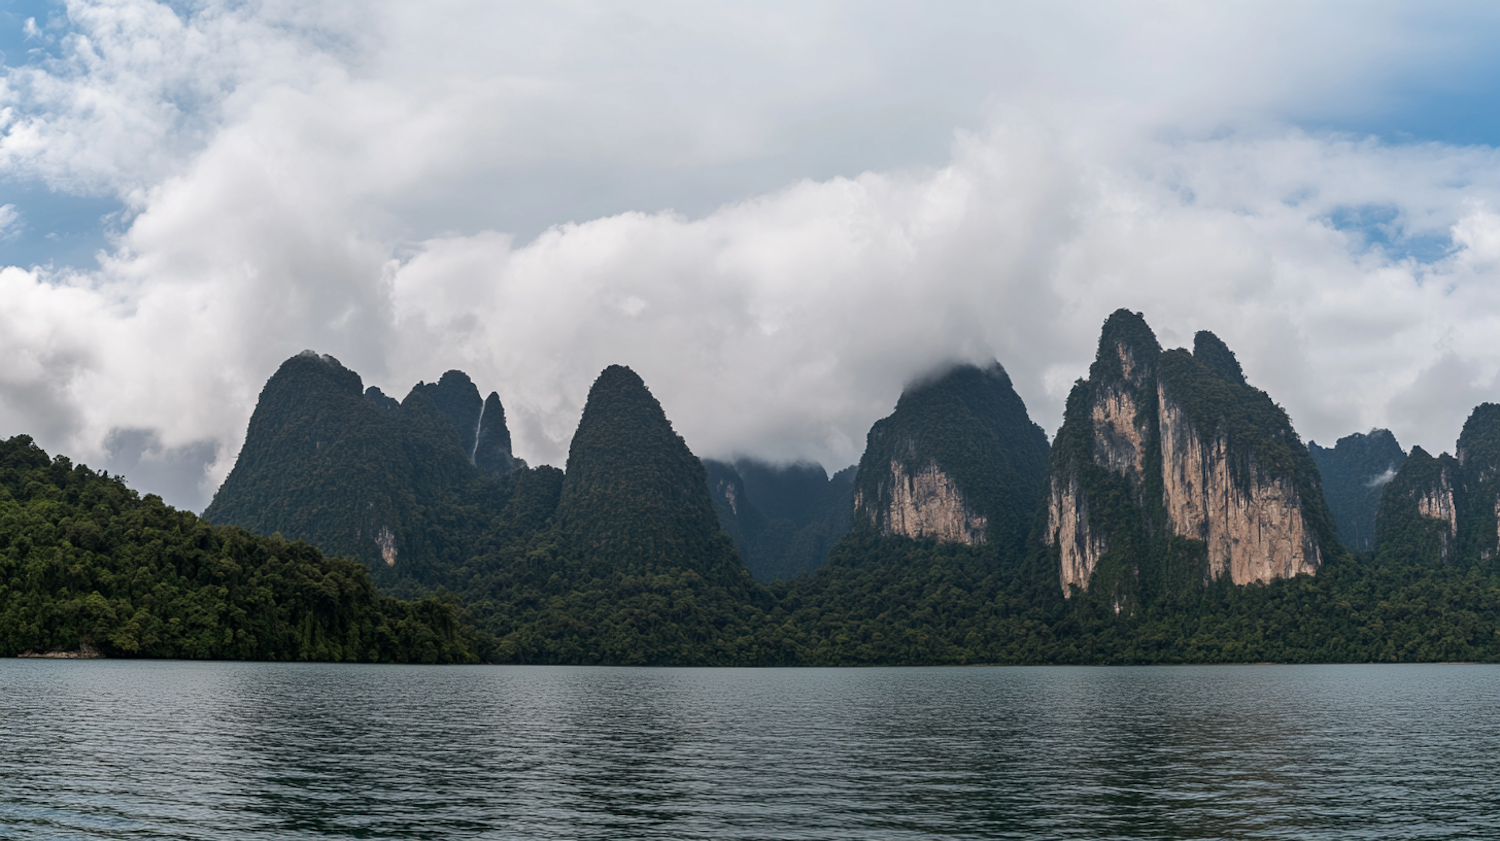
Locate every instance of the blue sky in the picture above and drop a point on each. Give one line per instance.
(57, 226)
(777, 212)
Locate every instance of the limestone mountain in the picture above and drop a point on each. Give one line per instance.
(785, 519)
(1170, 470)
(634, 496)
(1445, 510)
(959, 460)
(358, 474)
(1355, 470)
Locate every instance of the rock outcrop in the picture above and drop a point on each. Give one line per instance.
(1170, 468)
(958, 461)
(1254, 530)
(1078, 546)
(1446, 509)
(927, 502)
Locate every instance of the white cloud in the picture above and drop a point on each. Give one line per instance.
(338, 177)
(9, 217)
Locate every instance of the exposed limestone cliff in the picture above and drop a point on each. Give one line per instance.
(1119, 440)
(387, 543)
(1446, 510)
(1437, 503)
(1170, 469)
(925, 503)
(1068, 527)
(958, 461)
(1254, 532)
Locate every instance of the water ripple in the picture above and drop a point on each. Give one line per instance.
(117, 750)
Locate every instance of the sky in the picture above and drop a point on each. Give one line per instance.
(776, 213)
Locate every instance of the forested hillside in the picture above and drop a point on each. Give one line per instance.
(84, 561)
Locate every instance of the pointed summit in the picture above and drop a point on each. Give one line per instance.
(958, 460)
(1216, 356)
(354, 472)
(1127, 349)
(633, 495)
(492, 447)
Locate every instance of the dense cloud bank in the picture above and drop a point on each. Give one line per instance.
(396, 188)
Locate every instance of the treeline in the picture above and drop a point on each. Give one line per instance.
(897, 601)
(85, 561)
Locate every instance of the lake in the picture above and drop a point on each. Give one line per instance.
(121, 749)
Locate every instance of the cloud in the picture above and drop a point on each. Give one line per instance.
(9, 217)
(733, 204)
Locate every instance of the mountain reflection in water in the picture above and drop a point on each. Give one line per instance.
(116, 749)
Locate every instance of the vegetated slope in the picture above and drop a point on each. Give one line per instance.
(404, 487)
(1355, 471)
(633, 568)
(618, 560)
(935, 569)
(84, 560)
(785, 519)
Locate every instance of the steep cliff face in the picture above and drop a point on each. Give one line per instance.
(1098, 460)
(1253, 530)
(926, 502)
(1170, 469)
(1120, 433)
(1446, 510)
(1079, 547)
(1421, 511)
(1437, 503)
(958, 461)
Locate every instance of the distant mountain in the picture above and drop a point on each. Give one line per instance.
(1171, 471)
(1445, 510)
(1355, 471)
(785, 519)
(958, 460)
